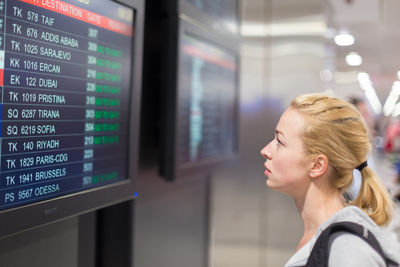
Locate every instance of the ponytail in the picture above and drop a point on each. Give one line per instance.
(374, 199)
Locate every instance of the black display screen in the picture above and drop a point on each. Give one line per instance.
(65, 77)
(207, 101)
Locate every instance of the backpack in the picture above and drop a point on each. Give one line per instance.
(320, 253)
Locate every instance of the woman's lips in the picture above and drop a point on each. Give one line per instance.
(267, 171)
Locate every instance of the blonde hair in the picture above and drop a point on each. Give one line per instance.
(336, 129)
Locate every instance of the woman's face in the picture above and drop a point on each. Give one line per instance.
(287, 165)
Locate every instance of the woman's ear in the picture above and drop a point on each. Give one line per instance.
(319, 166)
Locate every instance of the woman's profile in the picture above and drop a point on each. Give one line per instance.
(319, 141)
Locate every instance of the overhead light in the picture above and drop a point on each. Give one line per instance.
(366, 84)
(283, 29)
(373, 99)
(353, 59)
(344, 39)
(392, 99)
(396, 87)
(364, 80)
(396, 110)
(363, 77)
(254, 29)
(300, 28)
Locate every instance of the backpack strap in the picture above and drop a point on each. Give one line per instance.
(320, 253)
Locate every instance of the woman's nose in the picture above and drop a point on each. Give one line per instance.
(265, 153)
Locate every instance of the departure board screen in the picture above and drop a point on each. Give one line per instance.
(65, 77)
(207, 101)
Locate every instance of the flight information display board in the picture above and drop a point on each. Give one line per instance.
(65, 79)
(207, 101)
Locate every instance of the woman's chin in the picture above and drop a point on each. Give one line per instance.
(270, 183)
(273, 186)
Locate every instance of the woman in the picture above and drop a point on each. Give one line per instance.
(319, 141)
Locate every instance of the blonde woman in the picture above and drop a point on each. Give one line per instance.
(318, 142)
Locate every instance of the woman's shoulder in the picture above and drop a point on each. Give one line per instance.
(350, 250)
(347, 249)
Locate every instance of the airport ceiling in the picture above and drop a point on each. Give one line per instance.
(375, 24)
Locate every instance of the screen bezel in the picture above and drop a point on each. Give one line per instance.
(172, 169)
(40, 213)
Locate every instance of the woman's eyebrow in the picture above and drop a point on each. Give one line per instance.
(279, 132)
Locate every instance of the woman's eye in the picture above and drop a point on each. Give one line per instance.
(278, 141)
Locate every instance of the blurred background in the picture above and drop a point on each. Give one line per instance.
(344, 48)
(226, 216)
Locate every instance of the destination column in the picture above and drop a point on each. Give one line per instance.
(43, 118)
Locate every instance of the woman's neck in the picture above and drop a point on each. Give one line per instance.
(315, 208)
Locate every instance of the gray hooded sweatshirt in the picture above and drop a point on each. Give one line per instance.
(350, 250)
